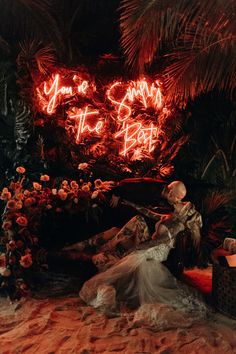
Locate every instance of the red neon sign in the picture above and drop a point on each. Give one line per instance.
(139, 90)
(55, 91)
(81, 117)
(133, 134)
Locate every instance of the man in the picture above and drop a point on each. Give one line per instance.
(111, 245)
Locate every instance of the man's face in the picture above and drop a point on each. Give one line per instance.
(169, 193)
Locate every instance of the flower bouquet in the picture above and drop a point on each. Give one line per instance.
(25, 203)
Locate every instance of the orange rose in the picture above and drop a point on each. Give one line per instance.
(6, 195)
(85, 188)
(37, 186)
(7, 225)
(44, 178)
(27, 193)
(19, 205)
(19, 196)
(29, 201)
(22, 221)
(20, 169)
(82, 166)
(94, 195)
(26, 261)
(5, 272)
(62, 194)
(74, 185)
(11, 204)
(97, 183)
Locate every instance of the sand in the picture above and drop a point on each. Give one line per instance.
(66, 325)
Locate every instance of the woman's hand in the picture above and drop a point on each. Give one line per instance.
(79, 247)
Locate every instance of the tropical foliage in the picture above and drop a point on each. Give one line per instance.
(197, 41)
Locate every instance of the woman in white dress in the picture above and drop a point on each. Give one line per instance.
(140, 277)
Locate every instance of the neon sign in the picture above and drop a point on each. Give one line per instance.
(84, 119)
(139, 90)
(80, 117)
(56, 91)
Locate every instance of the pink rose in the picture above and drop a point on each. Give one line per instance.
(37, 186)
(22, 221)
(26, 261)
(20, 169)
(44, 178)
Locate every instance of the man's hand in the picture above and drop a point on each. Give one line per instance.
(99, 259)
(114, 201)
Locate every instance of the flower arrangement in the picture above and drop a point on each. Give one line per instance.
(24, 204)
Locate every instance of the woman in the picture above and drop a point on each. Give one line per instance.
(140, 277)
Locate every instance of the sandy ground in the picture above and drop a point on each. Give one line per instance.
(65, 325)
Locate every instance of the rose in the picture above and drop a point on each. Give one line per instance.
(74, 185)
(11, 204)
(26, 261)
(20, 169)
(29, 201)
(19, 205)
(54, 191)
(37, 186)
(22, 221)
(97, 183)
(11, 245)
(62, 194)
(19, 196)
(7, 225)
(85, 188)
(6, 195)
(82, 166)
(44, 178)
(27, 193)
(5, 272)
(94, 195)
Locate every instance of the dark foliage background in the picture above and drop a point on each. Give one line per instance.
(38, 35)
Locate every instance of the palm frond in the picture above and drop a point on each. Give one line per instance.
(215, 201)
(199, 64)
(146, 25)
(34, 55)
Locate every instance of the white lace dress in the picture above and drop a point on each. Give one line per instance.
(139, 279)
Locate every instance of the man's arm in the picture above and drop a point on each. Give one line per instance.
(147, 212)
